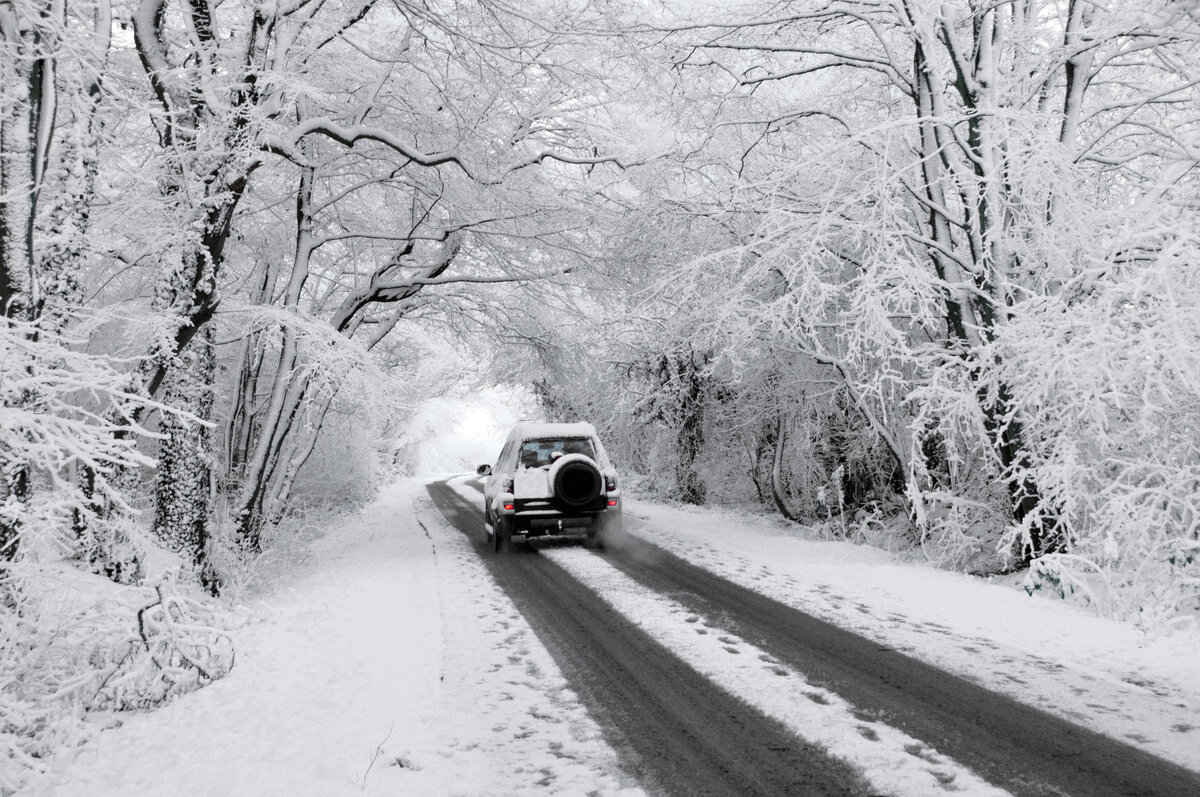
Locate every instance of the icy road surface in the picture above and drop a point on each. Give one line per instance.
(656, 647)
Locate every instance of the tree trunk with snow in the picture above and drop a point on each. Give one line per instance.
(183, 491)
(778, 490)
(687, 382)
(28, 40)
(979, 295)
(205, 188)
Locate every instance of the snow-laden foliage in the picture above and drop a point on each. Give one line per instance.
(937, 263)
(69, 646)
(1108, 372)
(68, 424)
(67, 418)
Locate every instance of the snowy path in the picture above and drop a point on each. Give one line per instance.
(393, 667)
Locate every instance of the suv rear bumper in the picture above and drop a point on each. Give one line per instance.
(538, 517)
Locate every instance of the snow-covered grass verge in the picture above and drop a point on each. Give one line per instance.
(1113, 677)
(389, 664)
(76, 649)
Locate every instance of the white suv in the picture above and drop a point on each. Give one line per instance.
(550, 478)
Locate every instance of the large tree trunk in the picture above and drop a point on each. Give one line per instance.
(183, 492)
(689, 431)
(16, 272)
(186, 296)
(26, 129)
(976, 300)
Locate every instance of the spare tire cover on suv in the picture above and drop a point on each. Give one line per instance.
(575, 480)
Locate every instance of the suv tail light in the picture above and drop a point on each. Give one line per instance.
(507, 486)
(610, 482)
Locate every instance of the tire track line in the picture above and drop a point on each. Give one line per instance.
(894, 762)
(672, 728)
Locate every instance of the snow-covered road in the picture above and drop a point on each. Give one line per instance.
(905, 726)
(397, 662)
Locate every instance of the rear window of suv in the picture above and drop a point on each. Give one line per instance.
(540, 453)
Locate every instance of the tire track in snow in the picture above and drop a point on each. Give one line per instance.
(894, 762)
(1022, 748)
(674, 729)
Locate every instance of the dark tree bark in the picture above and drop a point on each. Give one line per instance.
(27, 69)
(187, 293)
(183, 491)
(687, 380)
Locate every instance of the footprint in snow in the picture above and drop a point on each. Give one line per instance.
(920, 751)
(945, 779)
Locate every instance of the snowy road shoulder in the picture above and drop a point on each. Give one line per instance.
(332, 691)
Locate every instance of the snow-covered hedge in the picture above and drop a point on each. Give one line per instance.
(72, 642)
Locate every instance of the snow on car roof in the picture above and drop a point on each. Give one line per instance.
(524, 431)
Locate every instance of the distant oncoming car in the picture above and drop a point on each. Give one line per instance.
(550, 478)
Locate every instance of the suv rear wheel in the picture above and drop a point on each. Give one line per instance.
(502, 535)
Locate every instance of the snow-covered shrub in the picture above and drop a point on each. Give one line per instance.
(72, 643)
(1108, 374)
(285, 552)
(179, 647)
(957, 494)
